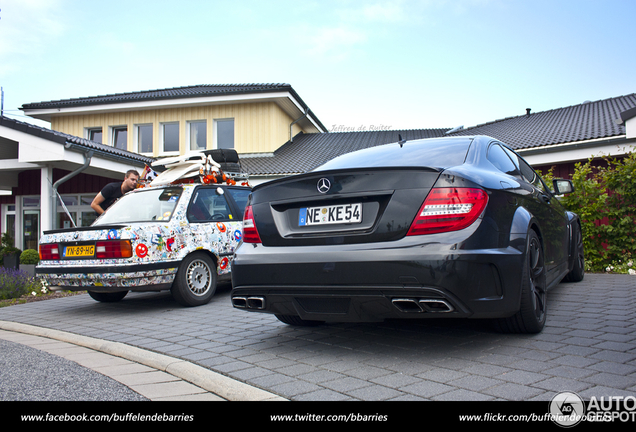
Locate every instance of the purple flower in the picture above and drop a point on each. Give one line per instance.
(14, 283)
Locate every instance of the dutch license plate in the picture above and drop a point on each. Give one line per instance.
(345, 213)
(79, 251)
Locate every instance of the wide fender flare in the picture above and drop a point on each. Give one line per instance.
(522, 222)
(573, 221)
(573, 218)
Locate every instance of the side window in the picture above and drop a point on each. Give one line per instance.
(513, 156)
(240, 197)
(526, 171)
(531, 176)
(208, 206)
(498, 157)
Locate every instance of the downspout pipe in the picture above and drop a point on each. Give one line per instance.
(291, 138)
(87, 161)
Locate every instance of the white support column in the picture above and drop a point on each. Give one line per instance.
(630, 128)
(46, 198)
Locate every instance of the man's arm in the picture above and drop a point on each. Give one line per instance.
(96, 204)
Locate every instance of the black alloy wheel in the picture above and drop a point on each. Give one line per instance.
(532, 313)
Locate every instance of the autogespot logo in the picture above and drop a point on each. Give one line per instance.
(567, 409)
(323, 185)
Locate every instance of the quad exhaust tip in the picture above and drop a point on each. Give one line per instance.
(405, 305)
(412, 305)
(257, 303)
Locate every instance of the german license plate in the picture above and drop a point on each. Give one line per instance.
(344, 213)
(79, 251)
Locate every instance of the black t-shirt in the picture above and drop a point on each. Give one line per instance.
(111, 192)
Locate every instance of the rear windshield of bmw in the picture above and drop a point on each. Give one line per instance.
(436, 153)
(148, 205)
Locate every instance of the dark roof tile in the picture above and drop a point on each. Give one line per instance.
(586, 121)
(308, 151)
(169, 93)
(63, 138)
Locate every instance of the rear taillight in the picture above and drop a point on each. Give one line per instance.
(250, 233)
(113, 249)
(448, 209)
(49, 251)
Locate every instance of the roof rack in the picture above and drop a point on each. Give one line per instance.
(218, 166)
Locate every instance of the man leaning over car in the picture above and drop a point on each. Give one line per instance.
(113, 191)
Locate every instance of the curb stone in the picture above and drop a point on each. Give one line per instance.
(226, 388)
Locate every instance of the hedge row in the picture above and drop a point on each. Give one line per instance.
(605, 199)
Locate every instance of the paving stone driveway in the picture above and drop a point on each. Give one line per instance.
(588, 346)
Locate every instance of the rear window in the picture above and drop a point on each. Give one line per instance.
(145, 206)
(435, 153)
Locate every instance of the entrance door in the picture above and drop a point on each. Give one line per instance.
(30, 229)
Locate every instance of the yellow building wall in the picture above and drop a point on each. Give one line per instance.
(258, 127)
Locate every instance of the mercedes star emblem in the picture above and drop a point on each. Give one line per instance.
(323, 185)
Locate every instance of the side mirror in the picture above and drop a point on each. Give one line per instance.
(562, 186)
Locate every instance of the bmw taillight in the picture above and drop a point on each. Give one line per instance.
(113, 249)
(449, 209)
(250, 233)
(49, 251)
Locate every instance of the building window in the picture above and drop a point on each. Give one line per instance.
(94, 134)
(8, 223)
(79, 210)
(120, 137)
(224, 133)
(197, 135)
(144, 138)
(170, 137)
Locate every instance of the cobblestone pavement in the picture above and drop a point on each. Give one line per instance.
(588, 346)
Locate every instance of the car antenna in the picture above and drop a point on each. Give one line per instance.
(401, 141)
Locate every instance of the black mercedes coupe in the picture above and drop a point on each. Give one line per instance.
(447, 227)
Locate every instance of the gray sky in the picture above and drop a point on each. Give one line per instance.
(390, 64)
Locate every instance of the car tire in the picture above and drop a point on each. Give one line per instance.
(532, 313)
(578, 269)
(195, 282)
(297, 321)
(110, 297)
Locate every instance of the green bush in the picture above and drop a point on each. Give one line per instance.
(6, 240)
(604, 197)
(29, 256)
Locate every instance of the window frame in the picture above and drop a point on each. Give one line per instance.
(89, 131)
(189, 126)
(137, 138)
(162, 137)
(114, 132)
(9, 210)
(216, 132)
